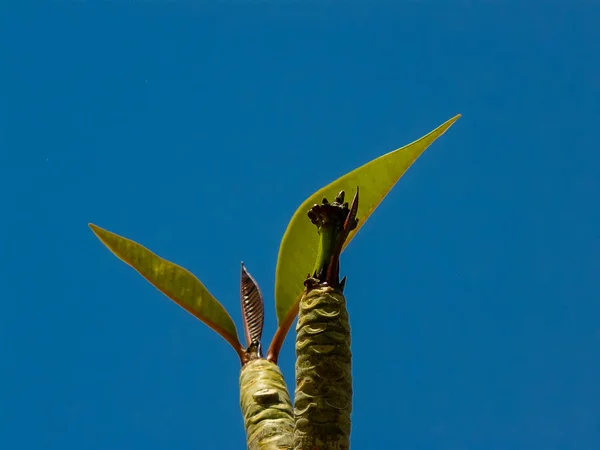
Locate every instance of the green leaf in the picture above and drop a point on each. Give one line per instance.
(299, 245)
(175, 282)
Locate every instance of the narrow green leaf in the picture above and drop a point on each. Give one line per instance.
(299, 245)
(175, 282)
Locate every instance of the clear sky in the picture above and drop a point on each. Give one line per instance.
(197, 130)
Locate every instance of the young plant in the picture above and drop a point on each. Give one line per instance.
(300, 243)
(265, 401)
(323, 400)
(264, 398)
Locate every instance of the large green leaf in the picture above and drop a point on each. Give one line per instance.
(299, 245)
(175, 282)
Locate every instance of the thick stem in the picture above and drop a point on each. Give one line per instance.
(323, 400)
(266, 406)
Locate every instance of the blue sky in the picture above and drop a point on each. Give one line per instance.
(197, 130)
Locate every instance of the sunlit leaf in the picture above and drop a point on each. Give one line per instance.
(175, 282)
(298, 248)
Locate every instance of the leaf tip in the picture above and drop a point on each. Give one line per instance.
(455, 118)
(96, 230)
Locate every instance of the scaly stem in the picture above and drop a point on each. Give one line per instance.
(323, 400)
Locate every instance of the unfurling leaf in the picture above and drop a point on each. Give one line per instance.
(253, 309)
(299, 245)
(175, 282)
